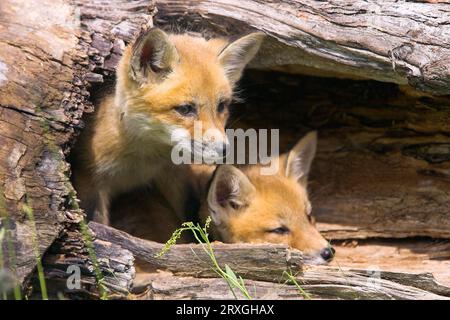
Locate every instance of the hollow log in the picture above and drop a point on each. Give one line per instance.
(185, 272)
(49, 66)
(391, 41)
(50, 52)
(107, 273)
(317, 285)
(383, 161)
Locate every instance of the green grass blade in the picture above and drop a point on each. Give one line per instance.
(35, 242)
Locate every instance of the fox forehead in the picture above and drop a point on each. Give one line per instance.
(197, 78)
(280, 196)
(277, 188)
(277, 199)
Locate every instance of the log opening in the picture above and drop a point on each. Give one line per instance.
(383, 164)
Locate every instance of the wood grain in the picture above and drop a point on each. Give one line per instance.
(50, 53)
(391, 41)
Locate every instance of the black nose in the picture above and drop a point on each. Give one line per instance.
(327, 254)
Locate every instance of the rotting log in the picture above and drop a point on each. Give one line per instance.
(400, 42)
(179, 274)
(269, 263)
(74, 272)
(259, 262)
(383, 163)
(47, 66)
(318, 285)
(50, 52)
(41, 103)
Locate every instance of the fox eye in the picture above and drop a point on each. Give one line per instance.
(186, 110)
(222, 106)
(280, 230)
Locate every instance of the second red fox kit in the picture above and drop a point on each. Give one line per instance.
(165, 83)
(245, 205)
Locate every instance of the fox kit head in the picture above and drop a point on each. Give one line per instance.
(249, 207)
(168, 83)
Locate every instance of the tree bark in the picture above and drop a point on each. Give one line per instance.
(49, 58)
(50, 52)
(320, 284)
(383, 160)
(391, 41)
(106, 273)
(42, 98)
(185, 272)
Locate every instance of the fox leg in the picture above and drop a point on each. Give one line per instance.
(101, 212)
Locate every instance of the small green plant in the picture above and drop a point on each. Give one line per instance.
(201, 235)
(93, 256)
(292, 279)
(35, 242)
(2, 265)
(11, 254)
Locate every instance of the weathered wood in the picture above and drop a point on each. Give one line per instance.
(47, 66)
(397, 255)
(342, 283)
(50, 51)
(322, 283)
(166, 286)
(383, 161)
(106, 274)
(108, 27)
(180, 275)
(41, 102)
(399, 42)
(259, 262)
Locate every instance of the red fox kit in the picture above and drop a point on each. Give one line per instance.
(164, 84)
(246, 206)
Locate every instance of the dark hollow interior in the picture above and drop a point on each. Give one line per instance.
(373, 146)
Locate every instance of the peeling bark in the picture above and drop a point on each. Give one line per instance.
(47, 67)
(50, 52)
(41, 103)
(391, 41)
(185, 272)
(381, 169)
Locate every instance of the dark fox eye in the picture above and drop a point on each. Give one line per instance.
(186, 110)
(280, 230)
(222, 106)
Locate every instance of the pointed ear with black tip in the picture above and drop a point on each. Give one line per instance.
(300, 158)
(230, 191)
(153, 57)
(239, 53)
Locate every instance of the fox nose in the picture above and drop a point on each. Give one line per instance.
(327, 254)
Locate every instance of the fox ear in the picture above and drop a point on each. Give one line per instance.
(230, 190)
(239, 53)
(300, 158)
(153, 56)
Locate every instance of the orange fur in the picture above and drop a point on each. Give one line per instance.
(247, 206)
(129, 141)
(278, 200)
(261, 204)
